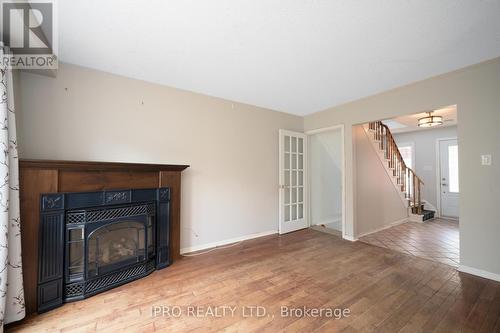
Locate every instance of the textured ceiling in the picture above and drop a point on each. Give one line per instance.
(292, 56)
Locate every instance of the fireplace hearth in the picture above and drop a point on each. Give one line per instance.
(93, 241)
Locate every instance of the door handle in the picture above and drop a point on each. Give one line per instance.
(444, 184)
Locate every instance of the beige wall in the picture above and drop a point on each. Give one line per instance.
(379, 203)
(231, 188)
(476, 91)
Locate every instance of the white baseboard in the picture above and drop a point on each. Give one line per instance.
(479, 272)
(452, 219)
(392, 224)
(350, 238)
(336, 220)
(226, 241)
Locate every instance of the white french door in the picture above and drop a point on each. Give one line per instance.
(448, 176)
(292, 173)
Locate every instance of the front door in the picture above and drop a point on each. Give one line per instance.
(292, 189)
(449, 189)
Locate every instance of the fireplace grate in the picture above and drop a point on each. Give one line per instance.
(74, 218)
(109, 213)
(79, 289)
(116, 278)
(73, 290)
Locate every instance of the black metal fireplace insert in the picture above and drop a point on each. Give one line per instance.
(93, 241)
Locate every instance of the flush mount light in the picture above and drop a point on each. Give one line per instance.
(430, 120)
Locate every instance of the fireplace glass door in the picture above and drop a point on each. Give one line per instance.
(114, 246)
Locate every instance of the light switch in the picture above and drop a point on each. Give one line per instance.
(485, 159)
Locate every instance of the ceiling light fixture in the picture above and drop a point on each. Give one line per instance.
(430, 120)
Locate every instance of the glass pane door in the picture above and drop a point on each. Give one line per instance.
(292, 181)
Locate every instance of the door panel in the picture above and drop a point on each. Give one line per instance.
(449, 185)
(293, 149)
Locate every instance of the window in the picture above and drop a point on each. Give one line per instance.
(406, 151)
(453, 168)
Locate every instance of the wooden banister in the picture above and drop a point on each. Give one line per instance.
(410, 183)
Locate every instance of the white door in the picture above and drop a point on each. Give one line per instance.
(292, 189)
(448, 153)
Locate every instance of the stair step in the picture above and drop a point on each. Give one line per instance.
(424, 216)
(428, 214)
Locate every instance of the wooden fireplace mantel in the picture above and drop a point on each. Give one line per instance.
(47, 176)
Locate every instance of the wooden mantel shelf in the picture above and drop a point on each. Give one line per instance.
(98, 166)
(48, 176)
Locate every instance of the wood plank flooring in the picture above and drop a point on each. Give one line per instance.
(385, 291)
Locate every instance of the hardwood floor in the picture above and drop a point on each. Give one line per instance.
(385, 291)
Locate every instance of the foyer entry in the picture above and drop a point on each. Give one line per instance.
(436, 240)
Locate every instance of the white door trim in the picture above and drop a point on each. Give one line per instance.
(438, 172)
(342, 154)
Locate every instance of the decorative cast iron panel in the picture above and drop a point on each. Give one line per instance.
(119, 277)
(65, 233)
(73, 290)
(108, 214)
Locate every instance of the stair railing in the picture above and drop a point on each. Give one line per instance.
(410, 183)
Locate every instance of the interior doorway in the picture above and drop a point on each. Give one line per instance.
(423, 219)
(326, 180)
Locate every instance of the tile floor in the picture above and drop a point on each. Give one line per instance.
(436, 240)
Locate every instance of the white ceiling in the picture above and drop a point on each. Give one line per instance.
(292, 56)
(409, 123)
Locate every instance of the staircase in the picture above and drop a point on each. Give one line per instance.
(404, 178)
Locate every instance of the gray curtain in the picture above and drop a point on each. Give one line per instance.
(11, 278)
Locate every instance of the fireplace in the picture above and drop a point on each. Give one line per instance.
(93, 241)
